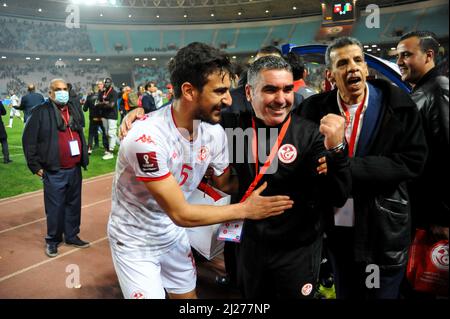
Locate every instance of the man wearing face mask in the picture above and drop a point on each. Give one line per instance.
(55, 150)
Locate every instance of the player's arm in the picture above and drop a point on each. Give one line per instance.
(171, 199)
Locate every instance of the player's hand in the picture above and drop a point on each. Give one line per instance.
(40, 173)
(322, 167)
(128, 120)
(332, 126)
(259, 207)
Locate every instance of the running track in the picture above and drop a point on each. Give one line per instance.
(26, 272)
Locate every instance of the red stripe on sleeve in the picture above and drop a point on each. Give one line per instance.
(152, 179)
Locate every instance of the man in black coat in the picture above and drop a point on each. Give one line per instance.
(55, 150)
(4, 136)
(29, 101)
(416, 58)
(107, 102)
(370, 235)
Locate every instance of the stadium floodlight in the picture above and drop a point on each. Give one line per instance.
(3, 57)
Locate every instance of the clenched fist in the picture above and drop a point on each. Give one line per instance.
(332, 126)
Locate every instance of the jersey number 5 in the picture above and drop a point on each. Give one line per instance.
(185, 173)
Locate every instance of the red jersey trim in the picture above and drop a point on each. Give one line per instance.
(152, 179)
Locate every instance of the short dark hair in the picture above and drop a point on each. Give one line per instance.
(269, 62)
(270, 49)
(340, 43)
(297, 65)
(148, 84)
(427, 40)
(194, 63)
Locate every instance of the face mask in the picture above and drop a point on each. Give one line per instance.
(61, 97)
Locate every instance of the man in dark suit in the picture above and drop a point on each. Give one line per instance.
(30, 100)
(3, 136)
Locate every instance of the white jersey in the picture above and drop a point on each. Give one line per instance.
(153, 150)
(15, 101)
(158, 98)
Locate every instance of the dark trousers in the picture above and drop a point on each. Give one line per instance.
(268, 270)
(5, 150)
(93, 134)
(62, 198)
(350, 276)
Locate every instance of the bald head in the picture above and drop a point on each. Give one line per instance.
(31, 87)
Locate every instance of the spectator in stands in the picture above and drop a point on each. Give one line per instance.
(387, 149)
(4, 136)
(55, 150)
(148, 102)
(430, 202)
(106, 101)
(95, 120)
(29, 101)
(300, 72)
(14, 112)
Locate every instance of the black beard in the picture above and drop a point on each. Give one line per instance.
(206, 116)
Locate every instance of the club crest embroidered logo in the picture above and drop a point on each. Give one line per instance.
(439, 256)
(148, 162)
(287, 153)
(306, 289)
(137, 295)
(203, 153)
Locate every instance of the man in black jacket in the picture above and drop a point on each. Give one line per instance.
(148, 102)
(416, 58)
(4, 136)
(95, 121)
(107, 102)
(280, 257)
(29, 101)
(387, 148)
(55, 150)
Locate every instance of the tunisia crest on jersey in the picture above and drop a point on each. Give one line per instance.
(287, 153)
(203, 153)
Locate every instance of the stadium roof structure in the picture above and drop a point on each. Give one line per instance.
(156, 12)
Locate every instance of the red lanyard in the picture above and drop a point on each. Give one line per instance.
(351, 144)
(105, 95)
(64, 113)
(269, 160)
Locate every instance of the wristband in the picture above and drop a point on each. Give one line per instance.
(339, 148)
